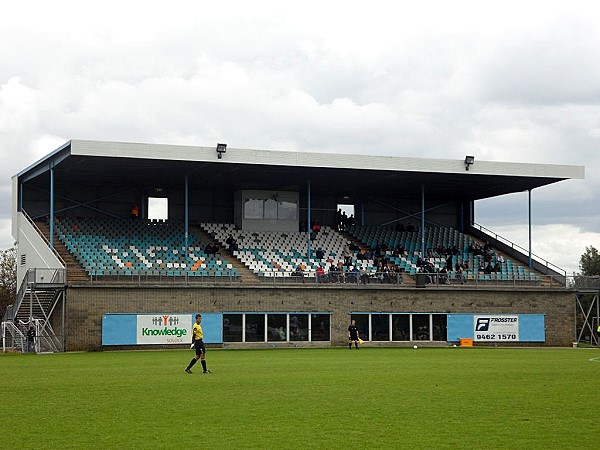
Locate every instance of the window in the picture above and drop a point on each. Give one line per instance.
(400, 327)
(286, 210)
(232, 328)
(253, 208)
(440, 326)
(380, 327)
(277, 327)
(271, 208)
(255, 327)
(299, 327)
(362, 323)
(320, 327)
(420, 327)
(158, 208)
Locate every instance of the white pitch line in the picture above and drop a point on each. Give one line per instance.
(594, 360)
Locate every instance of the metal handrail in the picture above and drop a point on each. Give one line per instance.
(512, 245)
(44, 238)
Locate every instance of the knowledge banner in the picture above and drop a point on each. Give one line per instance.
(164, 328)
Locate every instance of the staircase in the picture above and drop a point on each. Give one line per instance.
(75, 273)
(246, 276)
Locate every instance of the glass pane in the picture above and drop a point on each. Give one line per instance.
(270, 209)
(400, 327)
(299, 327)
(255, 327)
(420, 327)
(253, 208)
(362, 322)
(287, 210)
(320, 327)
(277, 327)
(232, 328)
(381, 327)
(440, 323)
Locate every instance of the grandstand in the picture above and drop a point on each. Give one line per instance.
(74, 221)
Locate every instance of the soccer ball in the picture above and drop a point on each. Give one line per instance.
(414, 346)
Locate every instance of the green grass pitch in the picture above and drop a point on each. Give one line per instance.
(303, 398)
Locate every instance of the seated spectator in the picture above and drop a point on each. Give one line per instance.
(211, 249)
(353, 247)
(364, 276)
(320, 253)
(299, 272)
(460, 274)
(497, 268)
(500, 259)
(353, 275)
(316, 228)
(232, 247)
(334, 274)
(488, 269)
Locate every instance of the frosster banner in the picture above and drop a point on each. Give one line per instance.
(497, 327)
(158, 329)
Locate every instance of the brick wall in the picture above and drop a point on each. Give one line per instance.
(86, 306)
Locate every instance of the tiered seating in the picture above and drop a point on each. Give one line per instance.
(277, 254)
(128, 247)
(436, 237)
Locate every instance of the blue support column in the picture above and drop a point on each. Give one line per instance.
(529, 207)
(51, 205)
(186, 206)
(423, 221)
(362, 212)
(308, 226)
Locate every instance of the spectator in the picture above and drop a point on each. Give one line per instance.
(321, 277)
(320, 253)
(31, 340)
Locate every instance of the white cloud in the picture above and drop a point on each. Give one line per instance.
(560, 244)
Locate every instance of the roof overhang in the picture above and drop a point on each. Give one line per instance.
(120, 163)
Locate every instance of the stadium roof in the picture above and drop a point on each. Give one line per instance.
(152, 165)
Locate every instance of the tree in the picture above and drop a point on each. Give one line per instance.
(589, 264)
(8, 278)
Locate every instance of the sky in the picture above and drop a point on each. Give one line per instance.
(503, 81)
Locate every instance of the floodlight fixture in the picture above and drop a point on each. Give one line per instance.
(469, 160)
(221, 148)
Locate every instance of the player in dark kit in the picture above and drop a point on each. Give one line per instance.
(353, 335)
(198, 344)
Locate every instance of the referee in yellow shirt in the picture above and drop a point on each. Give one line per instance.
(198, 344)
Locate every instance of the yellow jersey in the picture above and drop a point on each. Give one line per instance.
(197, 332)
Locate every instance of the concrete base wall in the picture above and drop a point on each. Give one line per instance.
(87, 305)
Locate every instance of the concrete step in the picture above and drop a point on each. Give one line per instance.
(246, 276)
(75, 273)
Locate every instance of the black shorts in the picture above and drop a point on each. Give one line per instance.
(199, 345)
(353, 338)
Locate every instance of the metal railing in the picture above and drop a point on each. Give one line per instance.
(143, 277)
(520, 249)
(44, 238)
(32, 278)
(348, 279)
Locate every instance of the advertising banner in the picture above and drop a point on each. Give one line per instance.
(164, 328)
(496, 328)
